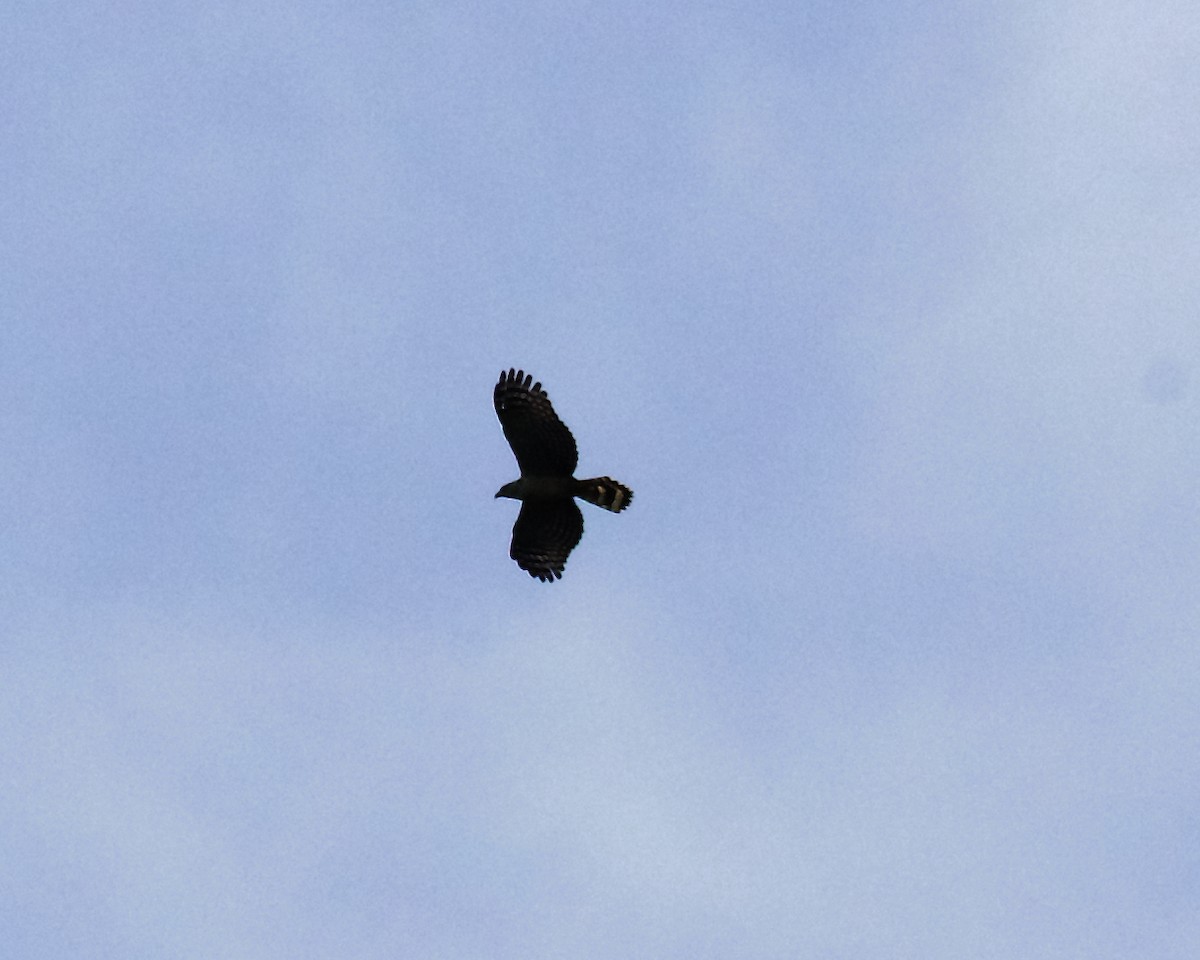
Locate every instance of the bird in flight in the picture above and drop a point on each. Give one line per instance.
(549, 524)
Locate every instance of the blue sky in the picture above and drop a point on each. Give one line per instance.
(886, 312)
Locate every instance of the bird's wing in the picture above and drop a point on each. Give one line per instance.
(541, 442)
(544, 535)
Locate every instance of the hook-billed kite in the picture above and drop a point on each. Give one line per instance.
(549, 524)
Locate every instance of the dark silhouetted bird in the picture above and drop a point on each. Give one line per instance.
(549, 524)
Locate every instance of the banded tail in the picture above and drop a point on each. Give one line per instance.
(604, 492)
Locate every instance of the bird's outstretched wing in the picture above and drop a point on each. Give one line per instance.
(544, 535)
(541, 442)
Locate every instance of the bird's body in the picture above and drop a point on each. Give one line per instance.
(549, 524)
(539, 488)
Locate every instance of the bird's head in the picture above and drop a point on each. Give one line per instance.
(509, 490)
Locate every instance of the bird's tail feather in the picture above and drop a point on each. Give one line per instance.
(605, 492)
